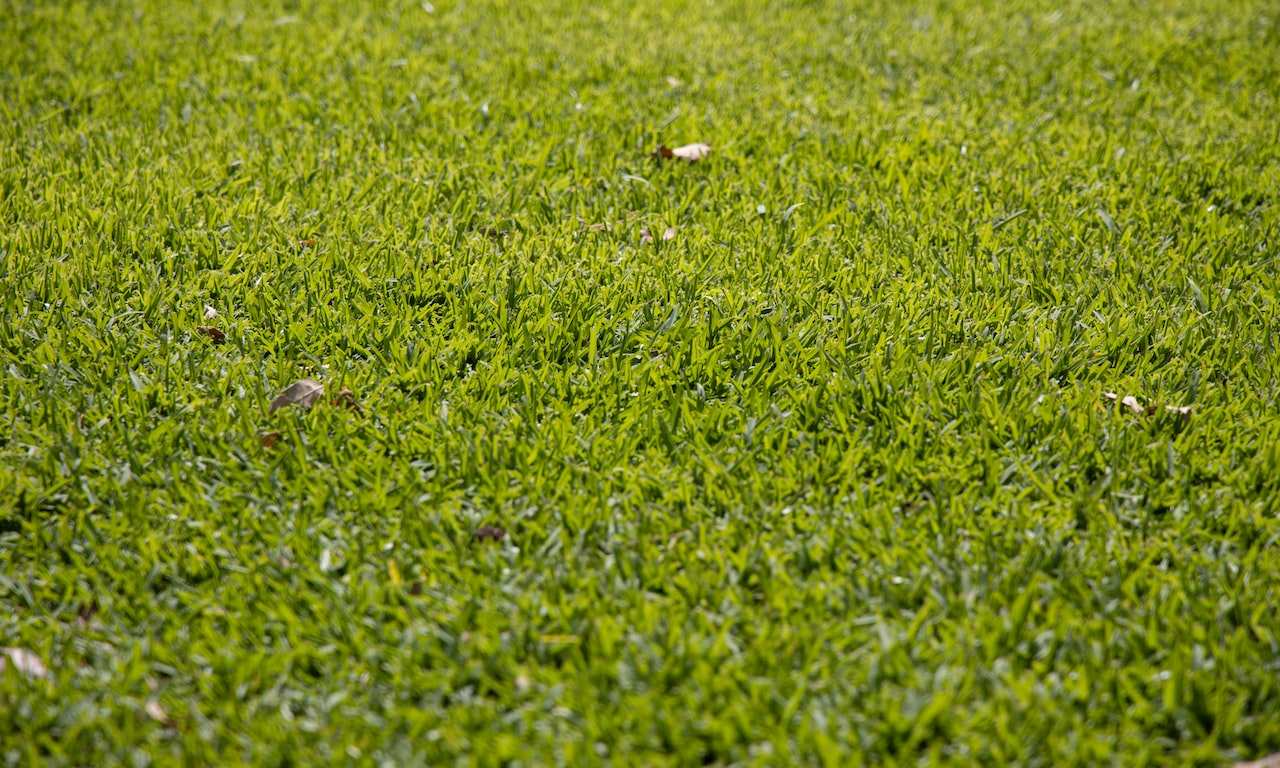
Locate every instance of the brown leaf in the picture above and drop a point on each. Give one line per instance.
(1270, 761)
(305, 393)
(157, 713)
(215, 334)
(1128, 401)
(24, 661)
(269, 440)
(306, 242)
(489, 533)
(348, 398)
(689, 152)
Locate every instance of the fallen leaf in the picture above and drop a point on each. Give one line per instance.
(157, 713)
(209, 312)
(215, 334)
(1270, 761)
(306, 242)
(523, 681)
(689, 152)
(86, 613)
(1182, 410)
(1128, 401)
(489, 533)
(601, 227)
(674, 82)
(305, 393)
(646, 236)
(270, 439)
(348, 398)
(24, 661)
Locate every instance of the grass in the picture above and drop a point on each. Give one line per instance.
(826, 478)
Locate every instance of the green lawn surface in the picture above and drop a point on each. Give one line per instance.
(802, 454)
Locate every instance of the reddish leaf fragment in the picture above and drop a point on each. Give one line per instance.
(347, 398)
(689, 152)
(489, 533)
(24, 661)
(215, 334)
(157, 713)
(305, 393)
(270, 439)
(306, 242)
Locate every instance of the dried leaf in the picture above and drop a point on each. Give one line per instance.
(523, 681)
(646, 236)
(689, 152)
(348, 398)
(1270, 761)
(270, 439)
(215, 334)
(1182, 410)
(24, 661)
(157, 713)
(306, 242)
(209, 312)
(1128, 401)
(601, 227)
(305, 393)
(674, 82)
(489, 533)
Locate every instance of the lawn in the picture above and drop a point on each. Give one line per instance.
(930, 418)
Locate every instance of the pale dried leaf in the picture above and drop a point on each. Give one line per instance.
(669, 233)
(674, 82)
(1131, 402)
(1182, 410)
(156, 712)
(646, 236)
(1128, 401)
(209, 312)
(24, 661)
(305, 393)
(689, 152)
(1270, 761)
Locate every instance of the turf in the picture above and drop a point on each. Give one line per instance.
(821, 471)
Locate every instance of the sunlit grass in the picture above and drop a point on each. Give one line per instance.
(828, 477)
